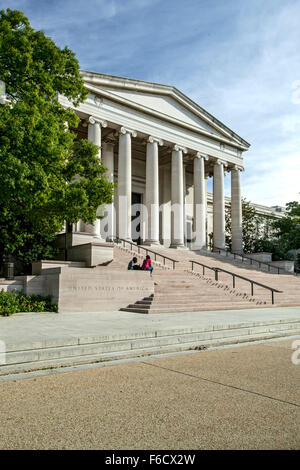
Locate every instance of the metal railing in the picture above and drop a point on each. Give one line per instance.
(234, 276)
(252, 260)
(147, 250)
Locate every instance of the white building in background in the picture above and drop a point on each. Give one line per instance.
(160, 148)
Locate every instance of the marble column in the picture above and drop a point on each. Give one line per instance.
(199, 202)
(177, 234)
(108, 161)
(218, 205)
(236, 211)
(165, 193)
(94, 135)
(152, 191)
(184, 205)
(205, 208)
(124, 183)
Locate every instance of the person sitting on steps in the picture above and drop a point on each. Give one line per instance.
(133, 264)
(147, 266)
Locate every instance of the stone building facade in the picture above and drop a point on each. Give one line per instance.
(160, 148)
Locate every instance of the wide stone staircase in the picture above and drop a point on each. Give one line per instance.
(122, 335)
(183, 290)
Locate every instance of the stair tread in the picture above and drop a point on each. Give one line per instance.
(181, 289)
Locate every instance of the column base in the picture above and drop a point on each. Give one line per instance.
(129, 240)
(178, 247)
(237, 247)
(216, 249)
(154, 243)
(98, 238)
(237, 252)
(198, 248)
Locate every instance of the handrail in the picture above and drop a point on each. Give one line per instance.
(241, 255)
(234, 275)
(139, 247)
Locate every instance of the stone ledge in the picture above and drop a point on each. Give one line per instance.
(39, 266)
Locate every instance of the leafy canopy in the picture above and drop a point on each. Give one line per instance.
(32, 65)
(267, 233)
(256, 228)
(46, 176)
(287, 229)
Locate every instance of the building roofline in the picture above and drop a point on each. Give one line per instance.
(141, 85)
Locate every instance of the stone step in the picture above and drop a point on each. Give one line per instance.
(188, 308)
(190, 303)
(194, 299)
(183, 287)
(57, 353)
(169, 296)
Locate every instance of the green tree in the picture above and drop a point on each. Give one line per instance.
(287, 230)
(257, 229)
(46, 176)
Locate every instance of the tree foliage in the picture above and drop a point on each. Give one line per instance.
(257, 229)
(32, 65)
(287, 230)
(46, 176)
(268, 233)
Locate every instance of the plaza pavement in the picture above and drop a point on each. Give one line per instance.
(38, 341)
(233, 398)
(30, 327)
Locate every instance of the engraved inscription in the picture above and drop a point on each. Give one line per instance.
(105, 288)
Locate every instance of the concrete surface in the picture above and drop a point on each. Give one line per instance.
(234, 398)
(30, 327)
(45, 341)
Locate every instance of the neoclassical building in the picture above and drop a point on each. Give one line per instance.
(160, 148)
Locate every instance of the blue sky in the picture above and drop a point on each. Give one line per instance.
(239, 59)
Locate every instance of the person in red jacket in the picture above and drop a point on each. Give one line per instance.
(147, 266)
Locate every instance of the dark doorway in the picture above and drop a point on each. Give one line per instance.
(136, 211)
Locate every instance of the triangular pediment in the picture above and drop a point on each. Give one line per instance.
(163, 101)
(165, 105)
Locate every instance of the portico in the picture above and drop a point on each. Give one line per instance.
(159, 145)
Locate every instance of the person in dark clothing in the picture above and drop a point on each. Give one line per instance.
(133, 264)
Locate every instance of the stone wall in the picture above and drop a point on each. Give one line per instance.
(90, 290)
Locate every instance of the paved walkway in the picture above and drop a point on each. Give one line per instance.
(30, 327)
(234, 398)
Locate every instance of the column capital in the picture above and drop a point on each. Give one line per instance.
(202, 155)
(221, 162)
(93, 120)
(237, 167)
(124, 130)
(152, 140)
(179, 148)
